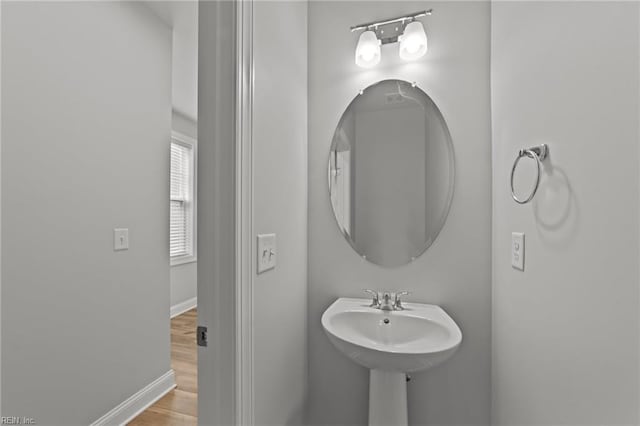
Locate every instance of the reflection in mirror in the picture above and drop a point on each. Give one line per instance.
(391, 172)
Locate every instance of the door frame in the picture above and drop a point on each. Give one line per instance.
(244, 213)
(225, 216)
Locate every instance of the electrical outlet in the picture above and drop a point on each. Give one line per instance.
(517, 250)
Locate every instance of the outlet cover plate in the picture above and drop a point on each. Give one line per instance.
(517, 250)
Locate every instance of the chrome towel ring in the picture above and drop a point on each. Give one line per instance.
(537, 153)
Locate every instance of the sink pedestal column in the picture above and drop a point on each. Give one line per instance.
(387, 398)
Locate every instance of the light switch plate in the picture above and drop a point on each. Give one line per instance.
(266, 252)
(121, 239)
(517, 250)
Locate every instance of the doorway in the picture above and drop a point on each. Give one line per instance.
(180, 405)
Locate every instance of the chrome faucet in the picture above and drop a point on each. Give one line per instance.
(385, 300)
(385, 303)
(397, 304)
(375, 303)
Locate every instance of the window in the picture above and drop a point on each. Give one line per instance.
(182, 200)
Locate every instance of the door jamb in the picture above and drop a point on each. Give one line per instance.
(244, 210)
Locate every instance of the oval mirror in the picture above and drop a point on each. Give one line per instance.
(391, 172)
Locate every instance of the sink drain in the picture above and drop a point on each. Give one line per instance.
(386, 321)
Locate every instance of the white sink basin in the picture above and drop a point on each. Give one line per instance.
(390, 344)
(415, 339)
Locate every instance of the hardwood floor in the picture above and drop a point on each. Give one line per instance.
(180, 406)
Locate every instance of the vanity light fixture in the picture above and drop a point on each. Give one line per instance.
(404, 29)
(368, 50)
(413, 43)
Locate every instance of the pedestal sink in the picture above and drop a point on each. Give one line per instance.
(391, 344)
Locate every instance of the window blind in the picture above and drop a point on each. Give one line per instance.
(181, 200)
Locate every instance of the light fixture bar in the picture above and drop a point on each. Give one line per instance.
(402, 18)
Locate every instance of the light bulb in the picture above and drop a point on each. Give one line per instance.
(368, 50)
(367, 54)
(413, 42)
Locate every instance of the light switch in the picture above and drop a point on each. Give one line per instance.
(517, 250)
(266, 252)
(121, 239)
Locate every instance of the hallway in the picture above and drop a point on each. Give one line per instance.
(180, 406)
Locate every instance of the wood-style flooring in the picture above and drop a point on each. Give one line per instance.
(180, 406)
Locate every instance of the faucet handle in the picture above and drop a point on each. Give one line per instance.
(375, 302)
(397, 304)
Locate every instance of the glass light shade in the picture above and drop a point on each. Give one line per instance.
(413, 43)
(368, 50)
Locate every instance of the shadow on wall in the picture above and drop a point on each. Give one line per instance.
(555, 207)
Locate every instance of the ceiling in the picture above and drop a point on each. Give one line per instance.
(182, 16)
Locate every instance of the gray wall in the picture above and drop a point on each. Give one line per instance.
(183, 124)
(85, 133)
(280, 206)
(565, 331)
(456, 271)
(184, 277)
(0, 222)
(184, 282)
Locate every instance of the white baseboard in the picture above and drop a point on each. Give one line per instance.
(139, 401)
(182, 307)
